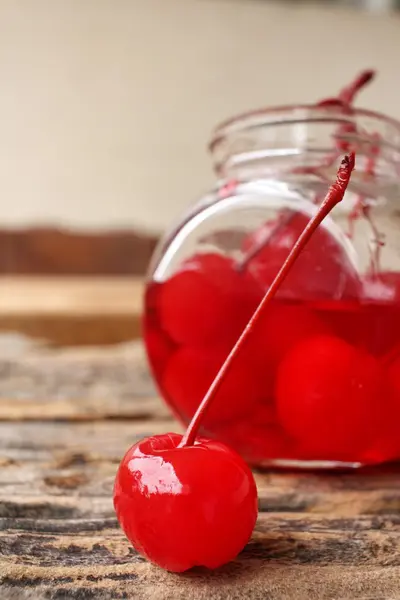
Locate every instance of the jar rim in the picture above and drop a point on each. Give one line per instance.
(298, 113)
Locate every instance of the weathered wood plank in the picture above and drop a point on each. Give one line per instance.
(84, 383)
(42, 460)
(277, 553)
(323, 543)
(234, 583)
(81, 409)
(44, 493)
(66, 418)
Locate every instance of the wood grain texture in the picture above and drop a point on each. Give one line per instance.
(56, 251)
(72, 310)
(66, 418)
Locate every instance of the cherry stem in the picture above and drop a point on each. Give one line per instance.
(334, 196)
(344, 100)
(347, 94)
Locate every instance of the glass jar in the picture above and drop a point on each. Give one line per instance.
(318, 382)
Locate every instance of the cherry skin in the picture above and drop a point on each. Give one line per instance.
(159, 348)
(279, 329)
(206, 301)
(393, 373)
(190, 372)
(383, 291)
(258, 438)
(328, 397)
(185, 507)
(322, 271)
(386, 446)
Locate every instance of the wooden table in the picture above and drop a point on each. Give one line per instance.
(66, 418)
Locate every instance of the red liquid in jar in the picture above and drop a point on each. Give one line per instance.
(318, 381)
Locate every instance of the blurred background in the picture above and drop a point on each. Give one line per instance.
(106, 110)
(107, 105)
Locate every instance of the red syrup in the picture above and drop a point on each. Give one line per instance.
(317, 381)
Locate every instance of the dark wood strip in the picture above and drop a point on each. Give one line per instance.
(57, 251)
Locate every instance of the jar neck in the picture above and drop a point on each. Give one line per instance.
(304, 144)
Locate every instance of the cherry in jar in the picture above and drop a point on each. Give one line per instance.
(338, 310)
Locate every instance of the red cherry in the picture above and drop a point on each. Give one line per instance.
(328, 396)
(158, 345)
(374, 326)
(185, 507)
(382, 296)
(393, 372)
(208, 300)
(279, 329)
(159, 348)
(259, 438)
(386, 446)
(191, 371)
(184, 501)
(322, 271)
(348, 319)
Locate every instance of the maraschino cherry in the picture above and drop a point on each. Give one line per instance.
(323, 269)
(328, 396)
(191, 371)
(159, 348)
(387, 444)
(188, 501)
(280, 328)
(207, 300)
(259, 436)
(185, 505)
(383, 289)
